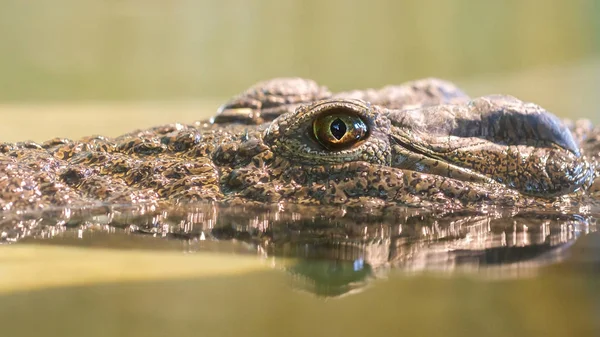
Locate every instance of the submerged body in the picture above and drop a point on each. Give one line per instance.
(423, 143)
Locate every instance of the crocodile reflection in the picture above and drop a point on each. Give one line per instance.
(337, 251)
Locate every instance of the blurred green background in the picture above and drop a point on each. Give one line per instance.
(72, 67)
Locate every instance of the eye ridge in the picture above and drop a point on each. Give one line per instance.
(339, 130)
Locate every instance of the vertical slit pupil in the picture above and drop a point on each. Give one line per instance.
(338, 128)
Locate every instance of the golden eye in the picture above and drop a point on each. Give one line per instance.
(337, 129)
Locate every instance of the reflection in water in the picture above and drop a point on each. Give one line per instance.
(337, 250)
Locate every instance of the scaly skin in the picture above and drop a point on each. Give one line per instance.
(426, 144)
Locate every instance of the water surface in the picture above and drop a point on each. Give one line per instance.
(213, 270)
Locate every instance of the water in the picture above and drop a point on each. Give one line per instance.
(213, 270)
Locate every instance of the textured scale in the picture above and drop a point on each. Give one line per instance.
(427, 145)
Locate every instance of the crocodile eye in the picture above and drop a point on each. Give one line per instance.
(337, 129)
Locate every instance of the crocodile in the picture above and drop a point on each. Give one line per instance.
(423, 143)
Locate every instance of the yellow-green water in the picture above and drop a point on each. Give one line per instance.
(258, 301)
(222, 272)
(261, 304)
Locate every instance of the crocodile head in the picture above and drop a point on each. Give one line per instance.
(493, 149)
(424, 143)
